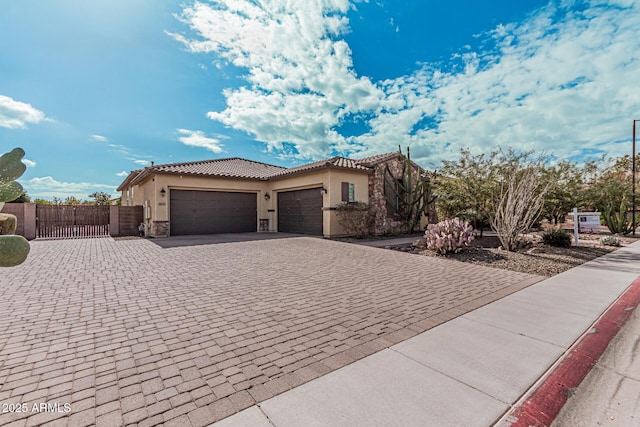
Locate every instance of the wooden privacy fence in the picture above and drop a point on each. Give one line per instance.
(72, 221)
(68, 221)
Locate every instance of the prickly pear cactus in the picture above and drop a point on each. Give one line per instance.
(13, 249)
(8, 224)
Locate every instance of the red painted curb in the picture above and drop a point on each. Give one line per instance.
(544, 403)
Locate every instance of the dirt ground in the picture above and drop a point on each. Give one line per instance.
(535, 257)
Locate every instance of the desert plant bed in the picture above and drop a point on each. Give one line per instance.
(533, 258)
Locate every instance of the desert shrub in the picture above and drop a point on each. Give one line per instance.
(356, 218)
(449, 236)
(518, 204)
(610, 241)
(556, 236)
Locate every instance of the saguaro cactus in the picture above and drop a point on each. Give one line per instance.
(13, 249)
(412, 188)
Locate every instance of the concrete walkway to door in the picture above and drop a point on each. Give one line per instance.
(126, 332)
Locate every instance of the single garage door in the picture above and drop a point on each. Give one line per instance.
(300, 211)
(211, 212)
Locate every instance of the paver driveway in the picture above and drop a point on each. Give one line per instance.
(127, 333)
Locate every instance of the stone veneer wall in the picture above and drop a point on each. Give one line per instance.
(159, 229)
(385, 223)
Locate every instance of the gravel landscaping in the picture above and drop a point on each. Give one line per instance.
(534, 258)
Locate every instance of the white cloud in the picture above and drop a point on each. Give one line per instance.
(100, 138)
(122, 174)
(560, 86)
(29, 163)
(48, 187)
(196, 138)
(563, 81)
(126, 152)
(16, 114)
(300, 78)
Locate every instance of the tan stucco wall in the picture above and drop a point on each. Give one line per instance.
(132, 196)
(331, 179)
(337, 177)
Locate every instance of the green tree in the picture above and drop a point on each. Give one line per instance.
(610, 183)
(100, 198)
(72, 200)
(464, 188)
(503, 188)
(566, 181)
(609, 191)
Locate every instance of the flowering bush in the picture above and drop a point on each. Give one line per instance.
(450, 235)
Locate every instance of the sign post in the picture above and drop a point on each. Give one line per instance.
(575, 225)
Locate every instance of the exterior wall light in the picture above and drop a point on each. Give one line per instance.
(163, 192)
(267, 196)
(323, 190)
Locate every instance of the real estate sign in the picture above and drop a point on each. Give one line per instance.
(589, 222)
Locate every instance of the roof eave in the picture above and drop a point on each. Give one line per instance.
(130, 178)
(201, 175)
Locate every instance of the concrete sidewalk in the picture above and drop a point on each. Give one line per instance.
(467, 372)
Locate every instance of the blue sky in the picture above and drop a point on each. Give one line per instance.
(93, 90)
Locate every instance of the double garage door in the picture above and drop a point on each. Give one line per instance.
(213, 212)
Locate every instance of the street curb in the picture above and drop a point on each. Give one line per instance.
(543, 403)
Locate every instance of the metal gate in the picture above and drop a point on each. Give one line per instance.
(65, 221)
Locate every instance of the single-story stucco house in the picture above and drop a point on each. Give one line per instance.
(235, 195)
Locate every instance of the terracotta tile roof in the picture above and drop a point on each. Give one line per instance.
(378, 158)
(335, 162)
(373, 161)
(233, 167)
(236, 167)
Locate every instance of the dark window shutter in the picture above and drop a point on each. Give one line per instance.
(345, 191)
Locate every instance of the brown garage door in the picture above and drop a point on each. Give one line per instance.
(300, 211)
(212, 212)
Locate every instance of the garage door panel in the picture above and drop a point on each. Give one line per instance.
(300, 211)
(212, 212)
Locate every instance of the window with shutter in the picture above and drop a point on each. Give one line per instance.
(348, 192)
